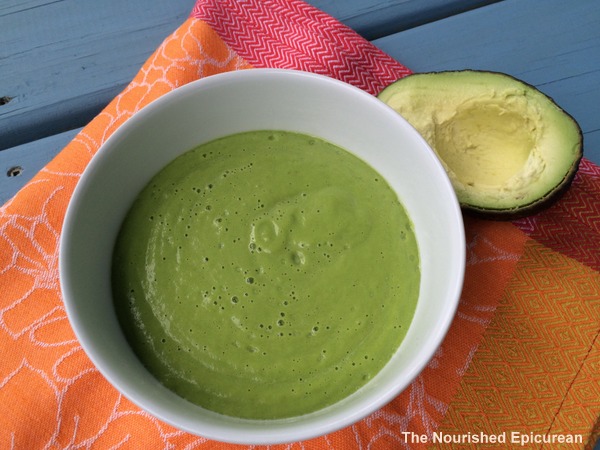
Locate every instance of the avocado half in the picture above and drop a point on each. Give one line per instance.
(509, 150)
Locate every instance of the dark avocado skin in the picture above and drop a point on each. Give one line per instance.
(542, 203)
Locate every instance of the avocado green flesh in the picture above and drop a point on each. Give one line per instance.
(266, 274)
(506, 146)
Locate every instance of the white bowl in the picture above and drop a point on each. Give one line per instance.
(251, 100)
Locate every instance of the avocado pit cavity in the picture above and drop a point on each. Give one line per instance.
(469, 146)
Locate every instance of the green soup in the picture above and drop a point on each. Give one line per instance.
(266, 274)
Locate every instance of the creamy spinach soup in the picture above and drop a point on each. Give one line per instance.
(266, 274)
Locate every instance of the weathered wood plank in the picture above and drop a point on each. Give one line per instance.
(377, 18)
(551, 44)
(19, 164)
(62, 61)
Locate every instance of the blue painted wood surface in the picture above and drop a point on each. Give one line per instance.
(62, 61)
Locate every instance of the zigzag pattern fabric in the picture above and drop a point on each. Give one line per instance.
(521, 360)
(290, 34)
(572, 227)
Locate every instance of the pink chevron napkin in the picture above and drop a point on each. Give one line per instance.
(294, 35)
(521, 357)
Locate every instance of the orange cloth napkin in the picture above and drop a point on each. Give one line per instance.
(520, 363)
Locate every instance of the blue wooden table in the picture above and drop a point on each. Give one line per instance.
(62, 61)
